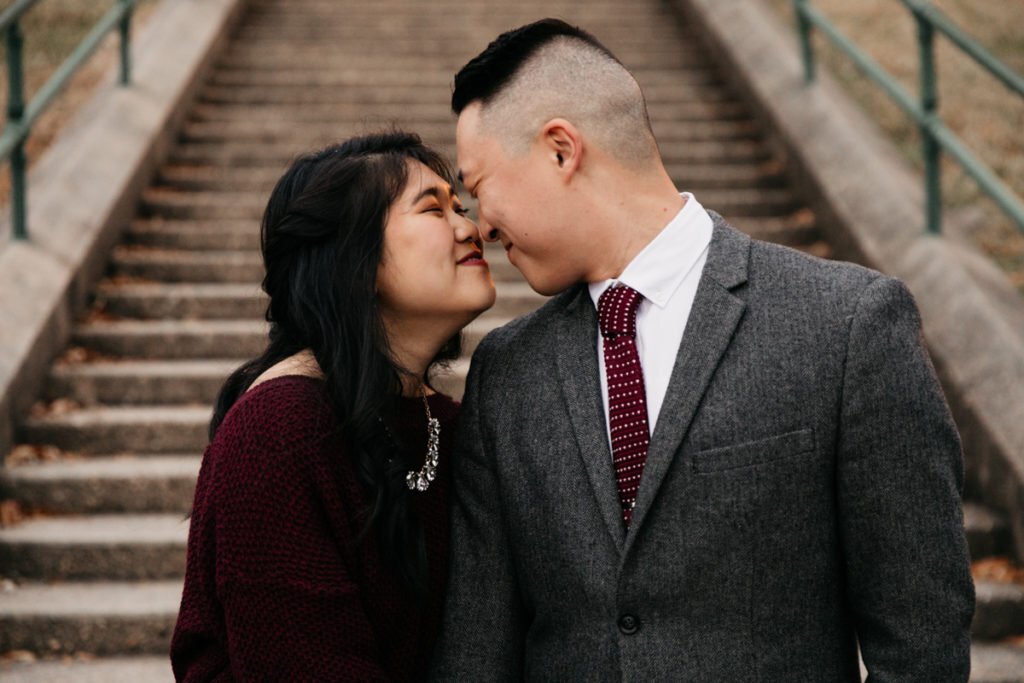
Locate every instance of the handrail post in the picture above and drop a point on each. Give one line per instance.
(803, 28)
(15, 114)
(930, 148)
(126, 25)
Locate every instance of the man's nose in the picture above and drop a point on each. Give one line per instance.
(487, 231)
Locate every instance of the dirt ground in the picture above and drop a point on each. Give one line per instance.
(974, 104)
(52, 29)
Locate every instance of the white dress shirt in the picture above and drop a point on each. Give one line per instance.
(666, 273)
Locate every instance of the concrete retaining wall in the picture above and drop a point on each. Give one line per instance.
(84, 191)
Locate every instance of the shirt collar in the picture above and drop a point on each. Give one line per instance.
(660, 267)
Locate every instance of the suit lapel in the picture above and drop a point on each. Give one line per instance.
(713, 319)
(576, 356)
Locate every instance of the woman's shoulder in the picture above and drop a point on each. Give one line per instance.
(283, 415)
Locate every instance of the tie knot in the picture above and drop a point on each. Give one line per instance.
(616, 311)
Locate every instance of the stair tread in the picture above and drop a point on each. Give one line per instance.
(150, 467)
(111, 599)
(105, 529)
(115, 415)
(102, 670)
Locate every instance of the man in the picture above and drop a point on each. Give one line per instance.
(779, 476)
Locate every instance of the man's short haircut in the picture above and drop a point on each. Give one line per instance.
(549, 69)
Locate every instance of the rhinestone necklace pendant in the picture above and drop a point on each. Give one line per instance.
(420, 480)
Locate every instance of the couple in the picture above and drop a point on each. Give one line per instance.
(705, 459)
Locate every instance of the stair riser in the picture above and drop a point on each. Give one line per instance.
(242, 271)
(179, 271)
(177, 436)
(286, 136)
(412, 115)
(225, 308)
(177, 308)
(229, 179)
(136, 390)
(989, 543)
(135, 562)
(247, 239)
(998, 614)
(191, 345)
(145, 634)
(99, 495)
(234, 72)
(279, 156)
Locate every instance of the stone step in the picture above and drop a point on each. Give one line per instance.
(997, 663)
(107, 430)
(267, 58)
(420, 113)
(119, 547)
(235, 235)
(134, 484)
(206, 339)
(676, 155)
(181, 300)
(282, 134)
(426, 80)
(369, 96)
(174, 300)
(152, 669)
(190, 265)
(412, 72)
(104, 618)
(171, 265)
(999, 612)
(144, 382)
(628, 48)
(210, 206)
(261, 180)
(988, 533)
(220, 235)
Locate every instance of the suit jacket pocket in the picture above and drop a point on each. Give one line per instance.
(753, 452)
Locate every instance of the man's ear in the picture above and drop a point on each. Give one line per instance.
(562, 143)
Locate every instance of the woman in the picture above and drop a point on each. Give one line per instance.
(318, 538)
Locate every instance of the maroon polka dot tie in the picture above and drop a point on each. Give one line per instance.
(627, 399)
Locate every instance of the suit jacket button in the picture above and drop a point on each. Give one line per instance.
(629, 624)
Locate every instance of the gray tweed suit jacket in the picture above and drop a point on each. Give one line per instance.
(801, 494)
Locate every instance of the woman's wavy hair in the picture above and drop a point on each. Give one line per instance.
(322, 240)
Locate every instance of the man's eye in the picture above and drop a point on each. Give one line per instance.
(461, 210)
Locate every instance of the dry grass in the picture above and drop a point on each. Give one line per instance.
(51, 30)
(983, 112)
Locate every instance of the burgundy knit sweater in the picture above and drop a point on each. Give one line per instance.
(276, 587)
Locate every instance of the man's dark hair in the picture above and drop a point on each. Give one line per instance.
(487, 74)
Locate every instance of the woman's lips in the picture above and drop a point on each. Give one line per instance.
(473, 259)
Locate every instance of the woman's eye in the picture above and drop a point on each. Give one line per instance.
(461, 210)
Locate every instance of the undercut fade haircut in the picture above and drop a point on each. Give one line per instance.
(551, 69)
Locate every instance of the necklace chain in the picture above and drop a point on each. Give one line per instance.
(420, 480)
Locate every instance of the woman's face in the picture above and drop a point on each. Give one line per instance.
(432, 269)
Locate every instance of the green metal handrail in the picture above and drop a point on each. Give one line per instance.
(935, 135)
(20, 116)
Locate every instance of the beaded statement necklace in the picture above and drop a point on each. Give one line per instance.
(420, 480)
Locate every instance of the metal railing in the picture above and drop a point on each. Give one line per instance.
(935, 136)
(21, 116)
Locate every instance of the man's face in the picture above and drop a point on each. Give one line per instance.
(521, 202)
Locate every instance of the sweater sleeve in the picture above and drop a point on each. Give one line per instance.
(291, 608)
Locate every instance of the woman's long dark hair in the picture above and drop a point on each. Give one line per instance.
(322, 240)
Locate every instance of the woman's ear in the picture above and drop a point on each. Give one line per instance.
(563, 144)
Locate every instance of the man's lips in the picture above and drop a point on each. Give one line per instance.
(473, 258)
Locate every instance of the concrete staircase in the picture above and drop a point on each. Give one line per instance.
(105, 476)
